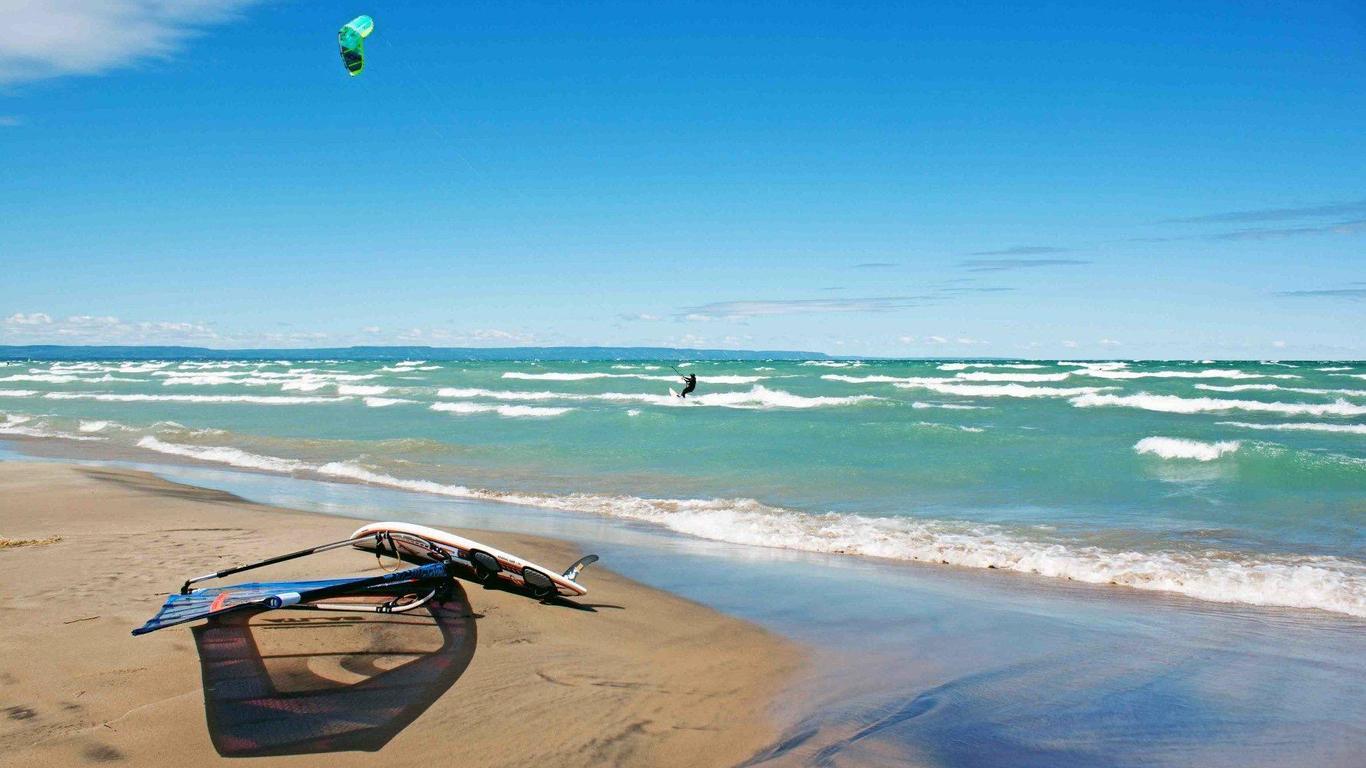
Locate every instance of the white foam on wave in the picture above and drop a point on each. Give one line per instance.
(1334, 368)
(1180, 448)
(385, 402)
(873, 379)
(137, 398)
(1209, 373)
(500, 394)
(711, 379)
(1177, 404)
(1297, 426)
(1109, 365)
(21, 429)
(992, 376)
(965, 366)
(758, 397)
(833, 363)
(66, 378)
(573, 376)
(93, 426)
(510, 411)
(949, 387)
(233, 457)
(18, 392)
(949, 406)
(360, 389)
(1280, 388)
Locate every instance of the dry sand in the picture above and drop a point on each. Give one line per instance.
(489, 679)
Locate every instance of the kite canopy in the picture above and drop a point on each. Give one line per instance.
(351, 38)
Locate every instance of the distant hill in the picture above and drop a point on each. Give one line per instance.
(59, 352)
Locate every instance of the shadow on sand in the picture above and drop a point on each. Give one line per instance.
(276, 684)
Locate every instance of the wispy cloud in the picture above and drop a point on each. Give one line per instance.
(643, 317)
(54, 38)
(1351, 294)
(1007, 265)
(1276, 233)
(731, 310)
(1023, 250)
(1276, 214)
(11, 121)
(876, 265)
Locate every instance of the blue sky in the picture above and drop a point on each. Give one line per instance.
(1090, 179)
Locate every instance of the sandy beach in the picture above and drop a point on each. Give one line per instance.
(644, 678)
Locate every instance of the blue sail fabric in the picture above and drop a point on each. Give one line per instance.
(203, 603)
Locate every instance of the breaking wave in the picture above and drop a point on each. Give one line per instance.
(965, 366)
(994, 390)
(26, 426)
(385, 402)
(1211, 373)
(992, 376)
(1295, 426)
(233, 457)
(256, 399)
(1279, 388)
(710, 379)
(510, 411)
(758, 397)
(1176, 404)
(1178, 448)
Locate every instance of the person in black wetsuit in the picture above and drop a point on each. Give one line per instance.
(689, 384)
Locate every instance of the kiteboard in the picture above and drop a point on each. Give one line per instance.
(490, 565)
(673, 393)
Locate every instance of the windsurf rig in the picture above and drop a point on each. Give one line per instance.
(397, 591)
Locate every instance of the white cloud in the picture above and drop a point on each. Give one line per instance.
(970, 341)
(1110, 343)
(643, 317)
(493, 334)
(1070, 344)
(42, 328)
(11, 121)
(1278, 344)
(906, 339)
(371, 329)
(52, 38)
(35, 318)
(936, 339)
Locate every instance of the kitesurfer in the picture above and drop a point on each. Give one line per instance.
(689, 384)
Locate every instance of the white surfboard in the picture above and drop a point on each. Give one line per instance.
(511, 568)
(673, 393)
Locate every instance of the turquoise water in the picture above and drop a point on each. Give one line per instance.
(1235, 482)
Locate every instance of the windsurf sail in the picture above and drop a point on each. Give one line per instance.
(216, 601)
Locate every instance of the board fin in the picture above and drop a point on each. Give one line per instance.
(572, 572)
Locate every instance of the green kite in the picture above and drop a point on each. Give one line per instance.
(351, 38)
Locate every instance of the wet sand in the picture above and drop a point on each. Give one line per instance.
(488, 678)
